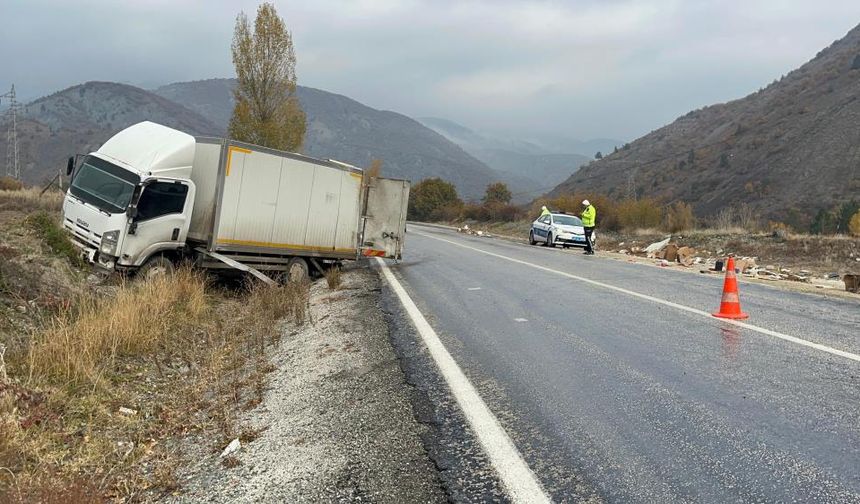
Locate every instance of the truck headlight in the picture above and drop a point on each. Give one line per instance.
(109, 242)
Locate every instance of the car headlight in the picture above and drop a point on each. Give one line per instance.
(109, 242)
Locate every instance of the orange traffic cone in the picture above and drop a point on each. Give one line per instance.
(730, 307)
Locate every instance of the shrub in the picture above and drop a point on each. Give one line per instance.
(9, 184)
(854, 225)
(429, 195)
(333, 278)
(447, 213)
(737, 218)
(644, 213)
(54, 237)
(679, 217)
(498, 193)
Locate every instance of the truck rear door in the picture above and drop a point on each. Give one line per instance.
(384, 217)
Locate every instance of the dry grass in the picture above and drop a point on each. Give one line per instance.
(8, 183)
(183, 354)
(82, 344)
(333, 278)
(29, 200)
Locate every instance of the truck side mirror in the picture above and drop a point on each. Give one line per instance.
(70, 167)
(131, 211)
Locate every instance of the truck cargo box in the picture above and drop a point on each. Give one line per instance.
(251, 199)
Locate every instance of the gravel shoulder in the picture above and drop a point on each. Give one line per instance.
(336, 423)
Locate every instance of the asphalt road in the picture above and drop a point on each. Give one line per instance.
(617, 398)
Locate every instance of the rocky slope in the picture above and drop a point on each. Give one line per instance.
(788, 149)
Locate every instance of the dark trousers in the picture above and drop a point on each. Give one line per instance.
(588, 246)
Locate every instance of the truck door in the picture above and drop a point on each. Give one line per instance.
(384, 217)
(161, 222)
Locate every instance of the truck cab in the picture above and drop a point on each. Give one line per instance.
(132, 199)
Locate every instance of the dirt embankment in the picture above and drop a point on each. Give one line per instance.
(335, 423)
(103, 380)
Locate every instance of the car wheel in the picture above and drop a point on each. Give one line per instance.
(550, 241)
(155, 267)
(532, 240)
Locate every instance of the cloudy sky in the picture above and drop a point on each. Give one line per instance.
(580, 68)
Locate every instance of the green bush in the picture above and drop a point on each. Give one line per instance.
(498, 192)
(430, 195)
(54, 237)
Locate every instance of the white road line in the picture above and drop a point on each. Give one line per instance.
(515, 474)
(474, 288)
(762, 330)
(520, 320)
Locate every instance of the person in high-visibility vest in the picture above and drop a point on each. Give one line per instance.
(544, 211)
(589, 216)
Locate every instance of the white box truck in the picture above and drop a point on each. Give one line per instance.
(152, 196)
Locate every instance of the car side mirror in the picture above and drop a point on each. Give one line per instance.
(70, 166)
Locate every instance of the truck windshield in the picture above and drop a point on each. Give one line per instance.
(104, 185)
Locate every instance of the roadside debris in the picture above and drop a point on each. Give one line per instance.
(469, 231)
(127, 411)
(231, 448)
(656, 247)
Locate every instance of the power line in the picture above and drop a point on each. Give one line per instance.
(13, 167)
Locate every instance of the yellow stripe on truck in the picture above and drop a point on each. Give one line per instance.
(230, 151)
(251, 243)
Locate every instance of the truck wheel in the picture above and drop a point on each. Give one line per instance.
(297, 270)
(532, 240)
(155, 267)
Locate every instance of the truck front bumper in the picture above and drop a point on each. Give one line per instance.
(91, 254)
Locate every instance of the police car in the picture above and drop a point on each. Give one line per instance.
(558, 229)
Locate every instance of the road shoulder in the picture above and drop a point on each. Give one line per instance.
(336, 422)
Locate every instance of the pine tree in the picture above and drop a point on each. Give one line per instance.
(267, 111)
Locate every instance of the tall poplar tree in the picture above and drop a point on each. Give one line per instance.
(267, 111)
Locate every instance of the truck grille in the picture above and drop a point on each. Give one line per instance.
(81, 234)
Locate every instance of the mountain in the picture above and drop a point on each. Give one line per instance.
(788, 149)
(79, 119)
(344, 129)
(541, 168)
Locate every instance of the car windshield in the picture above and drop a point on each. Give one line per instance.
(566, 220)
(104, 185)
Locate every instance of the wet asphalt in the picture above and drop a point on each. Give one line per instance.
(614, 398)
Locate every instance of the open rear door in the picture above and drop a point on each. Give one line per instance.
(384, 217)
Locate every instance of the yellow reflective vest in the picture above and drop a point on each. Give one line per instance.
(588, 216)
